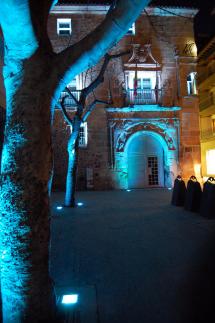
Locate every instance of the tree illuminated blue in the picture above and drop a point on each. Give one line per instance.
(34, 76)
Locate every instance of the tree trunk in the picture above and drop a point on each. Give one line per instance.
(27, 291)
(72, 148)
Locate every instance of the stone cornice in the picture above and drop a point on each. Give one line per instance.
(143, 108)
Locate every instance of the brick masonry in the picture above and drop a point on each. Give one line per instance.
(167, 35)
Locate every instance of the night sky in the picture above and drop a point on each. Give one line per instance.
(204, 25)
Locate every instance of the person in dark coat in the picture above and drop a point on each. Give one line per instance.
(208, 199)
(179, 191)
(193, 195)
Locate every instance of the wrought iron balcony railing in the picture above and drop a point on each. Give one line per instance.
(132, 97)
(139, 96)
(69, 101)
(203, 76)
(207, 133)
(206, 102)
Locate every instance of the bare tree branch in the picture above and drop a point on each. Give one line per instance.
(100, 78)
(65, 114)
(86, 91)
(113, 5)
(91, 107)
(72, 95)
(88, 51)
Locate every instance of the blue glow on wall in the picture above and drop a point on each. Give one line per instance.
(140, 147)
(143, 108)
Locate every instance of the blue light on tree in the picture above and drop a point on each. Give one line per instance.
(34, 76)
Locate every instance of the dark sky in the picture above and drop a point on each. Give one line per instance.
(204, 23)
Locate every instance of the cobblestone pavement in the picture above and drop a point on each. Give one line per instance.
(148, 261)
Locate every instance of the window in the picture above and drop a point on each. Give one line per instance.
(83, 135)
(153, 171)
(146, 84)
(191, 84)
(72, 85)
(144, 88)
(213, 123)
(131, 30)
(64, 26)
(146, 80)
(210, 161)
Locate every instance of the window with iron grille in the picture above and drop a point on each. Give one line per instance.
(83, 135)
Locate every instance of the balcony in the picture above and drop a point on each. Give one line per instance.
(132, 97)
(206, 103)
(69, 101)
(208, 76)
(207, 133)
(143, 97)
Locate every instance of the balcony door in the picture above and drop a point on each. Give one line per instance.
(145, 162)
(143, 87)
(140, 87)
(145, 79)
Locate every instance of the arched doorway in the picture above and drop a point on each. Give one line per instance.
(145, 156)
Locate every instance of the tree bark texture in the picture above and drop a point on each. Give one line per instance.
(72, 148)
(27, 291)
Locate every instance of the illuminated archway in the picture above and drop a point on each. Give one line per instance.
(146, 154)
(168, 163)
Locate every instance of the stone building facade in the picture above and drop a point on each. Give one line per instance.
(206, 87)
(150, 133)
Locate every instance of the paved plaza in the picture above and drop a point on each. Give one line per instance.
(147, 261)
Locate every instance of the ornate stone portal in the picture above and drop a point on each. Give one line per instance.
(123, 127)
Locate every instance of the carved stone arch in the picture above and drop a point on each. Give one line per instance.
(146, 126)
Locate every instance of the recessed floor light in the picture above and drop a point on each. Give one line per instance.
(70, 299)
(80, 203)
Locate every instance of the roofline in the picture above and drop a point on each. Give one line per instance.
(206, 49)
(102, 9)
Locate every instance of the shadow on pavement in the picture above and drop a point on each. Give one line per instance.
(199, 304)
